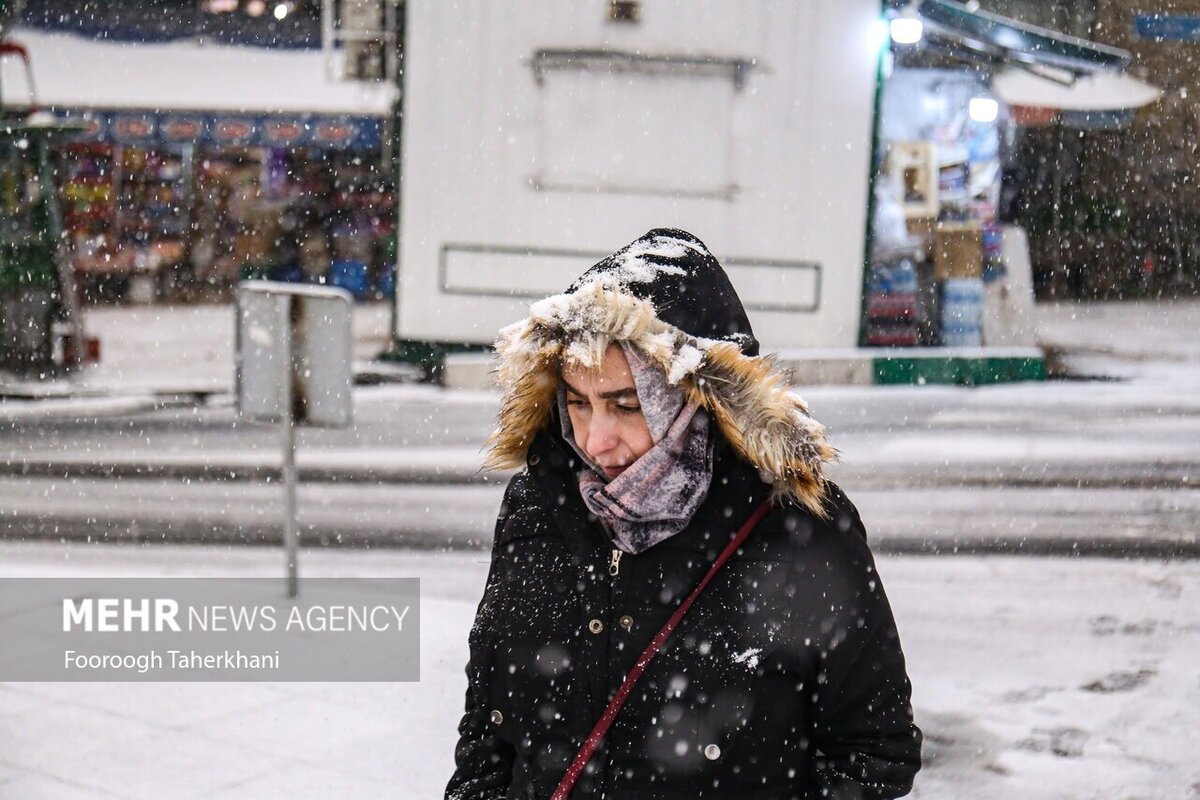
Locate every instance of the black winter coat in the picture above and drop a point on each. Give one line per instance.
(785, 681)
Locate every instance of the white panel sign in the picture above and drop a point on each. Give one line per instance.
(294, 344)
(262, 331)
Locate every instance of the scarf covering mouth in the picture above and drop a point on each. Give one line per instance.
(657, 495)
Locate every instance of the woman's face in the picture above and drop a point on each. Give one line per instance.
(605, 413)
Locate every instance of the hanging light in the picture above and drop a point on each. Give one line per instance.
(983, 109)
(906, 27)
(282, 10)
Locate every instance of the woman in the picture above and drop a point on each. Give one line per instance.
(650, 430)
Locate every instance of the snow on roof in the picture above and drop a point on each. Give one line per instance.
(75, 72)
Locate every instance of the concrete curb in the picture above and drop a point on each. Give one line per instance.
(466, 469)
(1119, 547)
(248, 471)
(861, 366)
(118, 532)
(14, 409)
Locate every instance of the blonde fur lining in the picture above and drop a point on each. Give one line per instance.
(748, 397)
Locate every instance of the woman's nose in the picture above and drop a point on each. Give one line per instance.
(601, 434)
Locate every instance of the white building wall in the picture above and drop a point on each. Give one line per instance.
(514, 184)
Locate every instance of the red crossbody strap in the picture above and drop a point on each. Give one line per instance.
(614, 706)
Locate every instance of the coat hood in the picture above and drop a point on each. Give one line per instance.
(668, 296)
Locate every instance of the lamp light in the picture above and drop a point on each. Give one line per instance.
(906, 28)
(983, 109)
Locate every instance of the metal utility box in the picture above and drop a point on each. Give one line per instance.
(539, 137)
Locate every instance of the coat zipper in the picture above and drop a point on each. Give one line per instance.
(599, 787)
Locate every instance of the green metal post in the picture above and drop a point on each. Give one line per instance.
(873, 177)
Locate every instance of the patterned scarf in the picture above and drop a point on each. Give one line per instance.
(657, 495)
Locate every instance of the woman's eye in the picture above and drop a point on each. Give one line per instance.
(576, 402)
(630, 409)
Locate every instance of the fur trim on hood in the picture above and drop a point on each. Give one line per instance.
(748, 397)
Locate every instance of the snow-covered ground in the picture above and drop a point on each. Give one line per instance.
(1064, 679)
(1148, 340)
(177, 349)
(1033, 677)
(162, 350)
(1058, 465)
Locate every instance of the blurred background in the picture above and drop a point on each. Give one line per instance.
(969, 230)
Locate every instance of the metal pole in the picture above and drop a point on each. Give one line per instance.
(399, 44)
(328, 34)
(70, 312)
(1176, 239)
(872, 179)
(291, 533)
(1056, 230)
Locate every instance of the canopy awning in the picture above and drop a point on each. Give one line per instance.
(1100, 91)
(77, 73)
(998, 40)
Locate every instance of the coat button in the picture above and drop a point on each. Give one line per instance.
(595, 626)
(712, 752)
(497, 717)
(626, 622)
(534, 460)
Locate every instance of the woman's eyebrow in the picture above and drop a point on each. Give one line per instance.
(613, 394)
